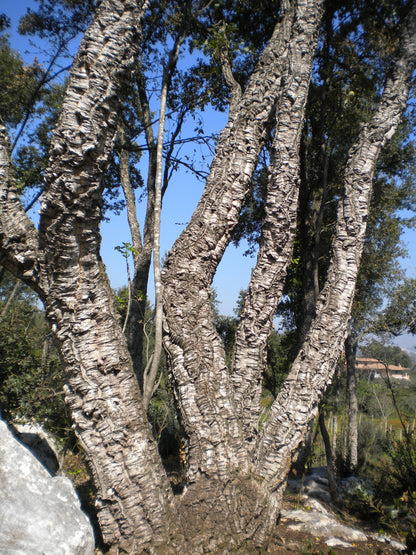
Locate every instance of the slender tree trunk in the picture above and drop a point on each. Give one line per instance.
(330, 464)
(136, 335)
(136, 322)
(149, 379)
(335, 412)
(352, 451)
(10, 298)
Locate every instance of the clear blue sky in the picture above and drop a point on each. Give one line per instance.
(179, 203)
(180, 200)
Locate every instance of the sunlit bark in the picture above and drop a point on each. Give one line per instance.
(235, 475)
(297, 402)
(279, 225)
(63, 257)
(202, 385)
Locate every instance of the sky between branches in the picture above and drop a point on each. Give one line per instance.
(180, 200)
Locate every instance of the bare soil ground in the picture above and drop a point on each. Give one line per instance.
(284, 541)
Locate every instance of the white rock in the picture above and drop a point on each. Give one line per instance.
(39, 514)
(336, 542)
(323, 526)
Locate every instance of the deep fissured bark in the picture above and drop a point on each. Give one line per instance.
(62, 262)
(236, 474)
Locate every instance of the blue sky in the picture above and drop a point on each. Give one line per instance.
(180, 200)
(179, 203)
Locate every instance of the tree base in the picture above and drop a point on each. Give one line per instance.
(218, 517)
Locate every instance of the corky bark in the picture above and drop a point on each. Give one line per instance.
(279, 225)
(202, 385)
(218, 461)
(233, 495)
(297, 402)
(62, 262)
(18, 237)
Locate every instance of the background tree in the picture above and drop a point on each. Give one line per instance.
(31, 385)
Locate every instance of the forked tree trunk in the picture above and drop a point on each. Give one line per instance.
(218, 413)
(202, 386)
(207, 400)
(313, 369)
(235, 478)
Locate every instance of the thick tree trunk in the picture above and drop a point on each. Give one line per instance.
(213, 407)
(298, 400)
(63, 263)
(109, 419)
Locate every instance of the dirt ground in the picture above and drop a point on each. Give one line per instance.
(284, 540)
(290, 541)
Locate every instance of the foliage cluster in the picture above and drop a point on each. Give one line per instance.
(31, 381)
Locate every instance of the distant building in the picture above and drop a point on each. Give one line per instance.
(374, 369)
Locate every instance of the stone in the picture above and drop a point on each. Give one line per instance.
(40, 443)
(336, 542)
(318, 520)
(39, 514)
(314, 484)
(322, 525)
(398, 546)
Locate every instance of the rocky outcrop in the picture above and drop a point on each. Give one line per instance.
(39, 514)
(39, 442)
(319, 520)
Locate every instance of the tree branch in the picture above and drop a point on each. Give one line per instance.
(298, 399)
(279, 226)
(18, 237)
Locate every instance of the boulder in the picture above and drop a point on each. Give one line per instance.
(320, 520)
(319, 524)
(39, 514)
(40, 443)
